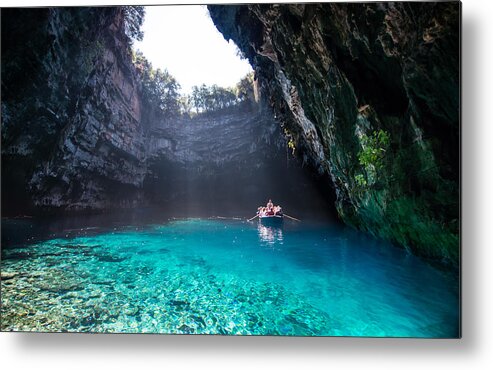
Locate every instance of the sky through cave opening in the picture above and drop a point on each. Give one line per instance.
(184, 40)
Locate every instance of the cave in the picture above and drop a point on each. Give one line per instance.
(158, 200)
(219, 163)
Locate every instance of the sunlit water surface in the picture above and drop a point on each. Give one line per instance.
(210, 276)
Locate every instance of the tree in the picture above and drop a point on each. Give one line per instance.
(166, 88)
(244, 88)
(133, 20)
(223, 97)
(198, 99)
(185, 105)
(160, 88)
(212, 98)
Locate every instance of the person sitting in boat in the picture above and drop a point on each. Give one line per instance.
(270, 205)
(260, 211)
(277, 210)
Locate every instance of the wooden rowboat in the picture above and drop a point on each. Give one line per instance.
(271, 220)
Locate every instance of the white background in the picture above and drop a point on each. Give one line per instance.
(473, 351)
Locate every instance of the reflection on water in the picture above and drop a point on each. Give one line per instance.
(270, 235)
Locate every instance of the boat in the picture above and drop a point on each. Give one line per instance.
(271, 220)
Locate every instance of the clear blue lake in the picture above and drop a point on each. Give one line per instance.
(223, 276)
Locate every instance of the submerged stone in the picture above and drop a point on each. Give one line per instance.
(110, 258)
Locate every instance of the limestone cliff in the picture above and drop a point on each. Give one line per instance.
(78, 134)
(226, 163)
(71, 132)
(368, 93)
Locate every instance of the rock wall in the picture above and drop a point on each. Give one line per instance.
(71, 132)
(368, 93)
(77, 134)
(227, 163)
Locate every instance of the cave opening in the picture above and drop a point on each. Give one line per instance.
(174, 121)
(222, 153)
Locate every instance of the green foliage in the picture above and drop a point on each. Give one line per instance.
(133, 20)
(185, 105)
(374, 148)
(92, 51)
(211, 98)
(372, 156)
(290, 139)
(160, 88)
(292, 146)
(244, 88)
(360, 180)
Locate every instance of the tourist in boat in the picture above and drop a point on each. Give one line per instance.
(270, 205)
(260, 211)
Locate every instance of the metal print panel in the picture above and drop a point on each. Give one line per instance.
(260, 169)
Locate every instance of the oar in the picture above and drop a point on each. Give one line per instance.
(292, 218)
(253, 218)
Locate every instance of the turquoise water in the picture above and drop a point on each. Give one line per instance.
(225, 277)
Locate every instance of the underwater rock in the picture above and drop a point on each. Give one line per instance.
(199, 320)
(60, 286)
(186, 329)
(5, 275)
(110, 258)
(179, 305)
(19, 256)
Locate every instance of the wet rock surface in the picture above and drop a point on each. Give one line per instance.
(230, 161)
(71, 133)
(368, 93)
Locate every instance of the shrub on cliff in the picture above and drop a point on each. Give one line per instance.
(160, 88)
(133, 20)
(371, 156)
